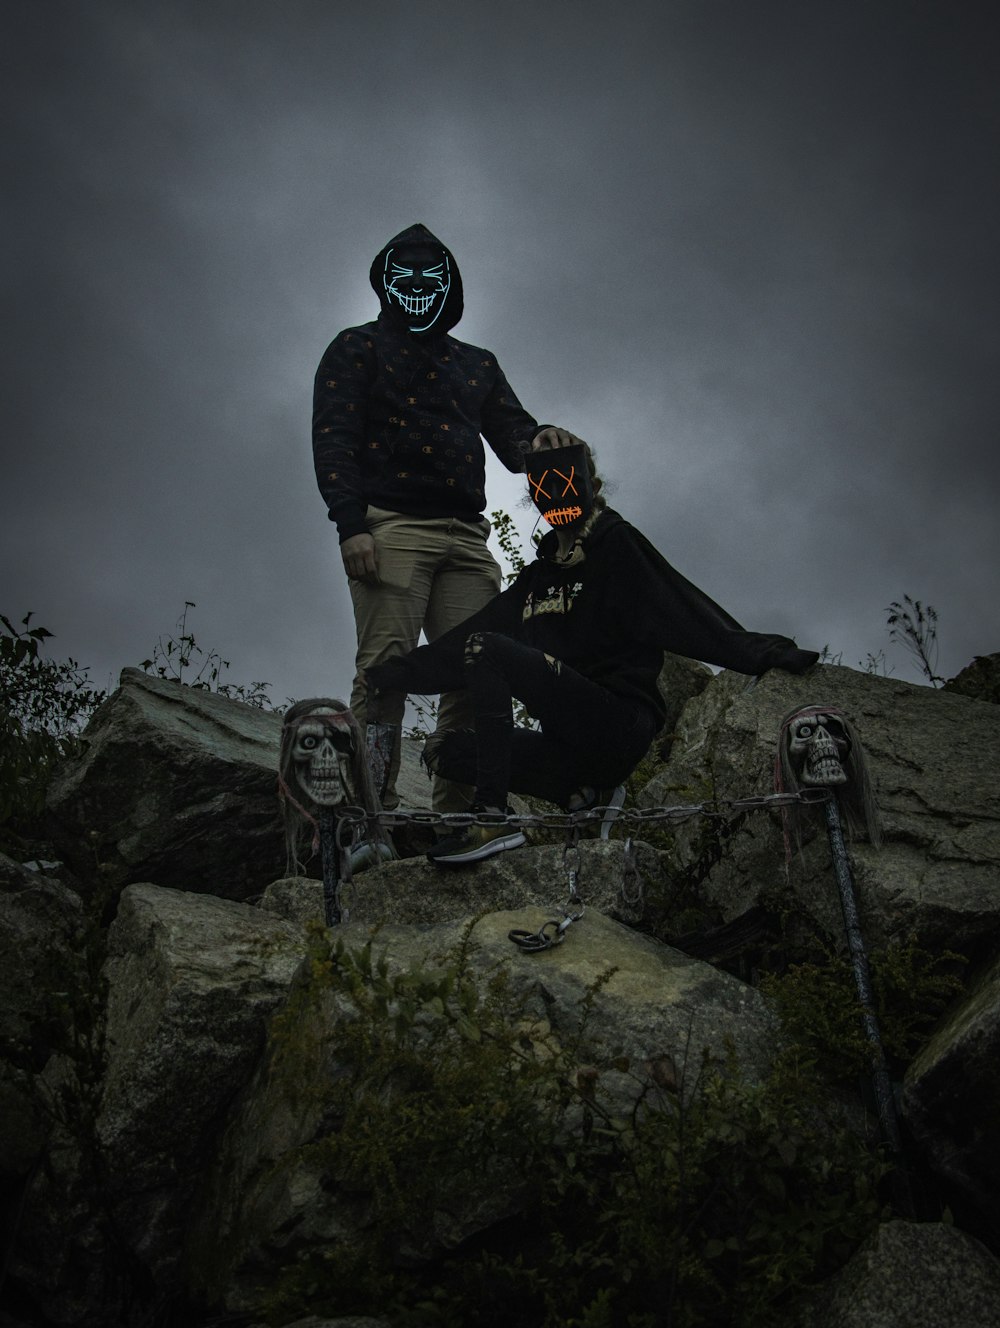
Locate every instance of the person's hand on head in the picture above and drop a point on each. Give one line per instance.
(553, 437)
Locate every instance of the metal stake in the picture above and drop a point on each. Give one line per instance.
(884, 1098)
(330, 854)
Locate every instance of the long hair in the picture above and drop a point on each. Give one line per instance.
(856, 798)
(298, 813)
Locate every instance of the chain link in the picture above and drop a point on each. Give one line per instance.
(350, 821)
(631, 888)
(637, 816)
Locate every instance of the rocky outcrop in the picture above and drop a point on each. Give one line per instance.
(268, 1193)
(41, 970)
(680, 681)
(535, 878)
(175, 785)
(980, 680)
(187, 1152)
(951, 1099)
(179, 786)
(192, 981)
(913, 1276)
(930, 757)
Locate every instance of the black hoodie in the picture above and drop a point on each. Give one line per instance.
(609, 616)
(398, 415)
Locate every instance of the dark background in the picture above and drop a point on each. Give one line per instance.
(748, 250)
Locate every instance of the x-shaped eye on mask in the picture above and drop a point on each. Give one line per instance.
(571, 504)
(539, 492)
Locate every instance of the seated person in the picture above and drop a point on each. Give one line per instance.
(578, 639)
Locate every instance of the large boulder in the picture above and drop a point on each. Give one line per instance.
(913, 1275)
(931, 759)
(175, 785)
(192, 980)
(681, 679)
(43, 977)
(178, 785)
(269, 1197)
(951, 1099)
(979, 680)
(532, 878)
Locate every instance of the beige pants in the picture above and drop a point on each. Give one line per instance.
(433, 573)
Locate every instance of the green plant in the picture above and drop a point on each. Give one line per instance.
(915, 627)
(820, 1008)
(46, 704)
(181, 659)
(876, 664)
(510, 543)
(713, 1199)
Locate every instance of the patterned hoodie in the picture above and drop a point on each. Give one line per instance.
(398, 415)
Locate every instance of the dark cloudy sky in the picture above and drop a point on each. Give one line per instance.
(749, 250)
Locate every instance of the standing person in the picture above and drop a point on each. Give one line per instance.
(399, 407)
(578, 639)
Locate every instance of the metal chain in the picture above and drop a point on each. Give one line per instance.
(631, 889)
(713, 807)
(554, 931)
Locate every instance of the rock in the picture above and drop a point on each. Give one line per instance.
(175, 785)
(196, 1161)
(179, 786)
(412, 783)
(42, 972)
(913, 1276)
(192, 980)
(931, 759)
(313, 1321)
(416, 891)
(951, 1099)
(680, 680)
(268, 1198)
(979, 680)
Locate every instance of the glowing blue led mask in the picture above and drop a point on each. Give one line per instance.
(417, 280)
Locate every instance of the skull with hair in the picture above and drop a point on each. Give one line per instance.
(818, 747)
(322, 766)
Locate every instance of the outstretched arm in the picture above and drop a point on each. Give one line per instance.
(683, 619)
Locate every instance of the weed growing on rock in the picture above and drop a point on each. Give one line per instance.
(181, 659)
(498, 1172)
(819, 1005)
(914, 626)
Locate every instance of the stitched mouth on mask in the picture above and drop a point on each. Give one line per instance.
(416, 304)
(562, 516)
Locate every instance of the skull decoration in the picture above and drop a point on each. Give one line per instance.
(322, 765)
(321, 757)
(560, 485)
(818, 747)
(417, 279)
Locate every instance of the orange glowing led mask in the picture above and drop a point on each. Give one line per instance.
(559, 485)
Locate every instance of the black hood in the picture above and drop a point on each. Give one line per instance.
(454, 301)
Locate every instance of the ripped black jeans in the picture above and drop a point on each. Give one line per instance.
(588, 734)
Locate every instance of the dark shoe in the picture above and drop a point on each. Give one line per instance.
(473, 843)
